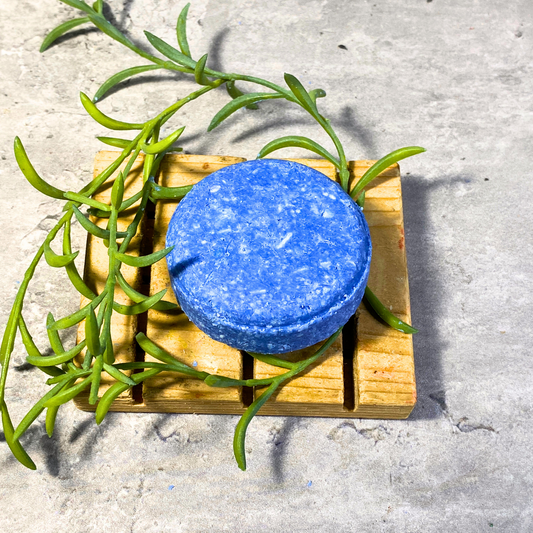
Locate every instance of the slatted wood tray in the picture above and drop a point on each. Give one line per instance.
(368, 373)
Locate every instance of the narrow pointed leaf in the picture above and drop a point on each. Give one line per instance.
(76, 317)
(55, 260)
(181, 31)
(301, 94)
(137, 297)
(385, 314)
(144, 260)
(61, 30)
(164, 144)
(104, 120)
(82, 199)
(92, 228)
(118, 388)
(242, 425)
(120, 77)
(298, 142)
(118, 375)
(78, 4)
(67, 394)
(71, 269)
(117, 191)
(53, 335)
(92, 332)
(235, 93)
(169, 51)
(384, 163)
(199, 75)
(103, 25)
(113, 141)
(14, 445)
(35, 411)
(169, 193)
(97, 378)
(140, 307)
(316, 93)
(238, 103)
(57, 359)
(31, 175)
(155, 351)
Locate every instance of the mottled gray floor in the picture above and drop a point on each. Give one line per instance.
(453, 76)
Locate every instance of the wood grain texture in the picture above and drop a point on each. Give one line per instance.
(372, 376)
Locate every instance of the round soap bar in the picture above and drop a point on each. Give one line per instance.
(269, 256)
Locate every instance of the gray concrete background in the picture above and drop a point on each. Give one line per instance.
(453, 76)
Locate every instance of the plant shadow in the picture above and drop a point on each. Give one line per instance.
(426, 286)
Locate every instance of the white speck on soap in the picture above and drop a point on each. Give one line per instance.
(284, 241)
(216, 188)
(327, 214)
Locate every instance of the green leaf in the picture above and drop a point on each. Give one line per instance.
(82, 199)
(78, 4)
(137, 297)
(162, 145)
(14, 445)
(35, 411)
(104, 120)
(77, 316)
(301, 94)
(113, 141)
(235, 93)
(92, 332)
(92, 228)
(222, 381)
(97, 377)
(199, 76)
(118, 388)
(242, 425)
(55, 260)
(155, 351)
(102, 24)
(169, 193)
(67, 394)
(384, 313)
(144, 260)
(299, 142)
(117, 192)
(140, 307)
(60, 30)
(53, 335)
(120, 77)
(384, 163)
(238, 103)
(118, 375)
(32, 176)
(316, 93)
(169, 51)
(181, 31)
(59, 359)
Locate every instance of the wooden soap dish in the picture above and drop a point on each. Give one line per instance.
(368, 373)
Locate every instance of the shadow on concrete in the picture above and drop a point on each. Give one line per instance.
(426, 286)
(349, 123)
(279, 449)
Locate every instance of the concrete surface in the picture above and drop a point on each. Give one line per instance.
(453, 76)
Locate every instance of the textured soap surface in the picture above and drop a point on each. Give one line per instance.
(269, 256)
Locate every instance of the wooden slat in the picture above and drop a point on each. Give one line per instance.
(383, 367)
(123, 328)
(174, 332)
(383, 359)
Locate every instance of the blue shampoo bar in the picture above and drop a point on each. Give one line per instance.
(269, 256)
